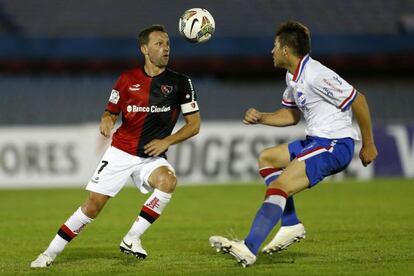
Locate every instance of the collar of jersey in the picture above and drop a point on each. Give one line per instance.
(300, 68)
(156, 76)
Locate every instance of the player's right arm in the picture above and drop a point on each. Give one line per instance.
(280, 118)
(286, 116)
(107, 123)
(113, 107)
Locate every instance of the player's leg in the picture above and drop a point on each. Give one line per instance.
(71, 228)
(94, 204)
(292, 180)
(109, 177)
(162, 180)
(271, 163)
(76, 223)
(320, 158)
(290, 231)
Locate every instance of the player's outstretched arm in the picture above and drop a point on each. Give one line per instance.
(280, 118)
(191, 128)
(107, 123)
(368, 151)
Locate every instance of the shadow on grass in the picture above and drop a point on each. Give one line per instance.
(104, 258)
(102, 255)
(282, 258)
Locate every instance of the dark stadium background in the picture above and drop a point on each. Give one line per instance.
(59, 60)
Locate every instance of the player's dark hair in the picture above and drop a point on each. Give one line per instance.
(296, 36)
(143, 36)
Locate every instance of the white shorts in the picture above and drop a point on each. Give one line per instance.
(117, 166)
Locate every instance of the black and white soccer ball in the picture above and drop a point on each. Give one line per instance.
(196, 25)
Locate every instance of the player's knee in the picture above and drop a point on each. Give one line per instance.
(264, 158)
(93, 206)
(166, 182)
(90, 209)
(268, 157)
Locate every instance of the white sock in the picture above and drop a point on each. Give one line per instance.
(151, 210)
(55, 247)
(138, 228)
(70, 229)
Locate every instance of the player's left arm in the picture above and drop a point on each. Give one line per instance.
(191, 128)
(360, 109)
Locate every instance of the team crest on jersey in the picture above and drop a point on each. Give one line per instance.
(166, 89)
(114, 98)
(301, 99)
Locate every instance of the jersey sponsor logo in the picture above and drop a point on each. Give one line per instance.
(148, 109)
(337, 79)
(114, 98)
(166, 89)
(328, 92)
(135, 87)
(331, 86)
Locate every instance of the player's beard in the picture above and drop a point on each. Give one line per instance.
(162, 62)
(276, 63)
(279, 63)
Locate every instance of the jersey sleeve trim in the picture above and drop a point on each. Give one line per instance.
(289, 104)
(348, 101)
(189, 107)
(189, 113)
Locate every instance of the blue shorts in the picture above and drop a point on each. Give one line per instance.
(323, 156)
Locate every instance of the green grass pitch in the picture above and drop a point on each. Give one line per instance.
(353, 228)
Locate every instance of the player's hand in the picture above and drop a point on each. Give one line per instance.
(105, 129)
(156, 147)
(368, 154)
(252, 116)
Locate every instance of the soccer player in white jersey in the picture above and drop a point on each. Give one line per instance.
(327, 103)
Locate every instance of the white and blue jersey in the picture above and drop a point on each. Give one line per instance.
(325, 100)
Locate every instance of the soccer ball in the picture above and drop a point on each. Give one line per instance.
(196, 25)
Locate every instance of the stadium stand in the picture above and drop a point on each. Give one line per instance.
(59, 58)
(111, 18)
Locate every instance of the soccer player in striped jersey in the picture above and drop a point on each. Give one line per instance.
(327, 103)
(150, 100)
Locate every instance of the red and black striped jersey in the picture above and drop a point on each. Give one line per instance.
(150, 107)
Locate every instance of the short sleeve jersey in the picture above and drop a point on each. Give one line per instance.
(150, 107)
(324, 99)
